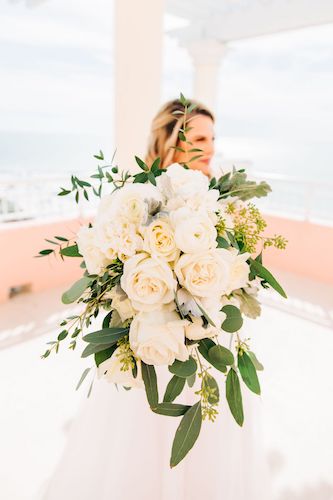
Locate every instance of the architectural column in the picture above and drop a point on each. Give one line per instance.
(138, 69)
(206, 55)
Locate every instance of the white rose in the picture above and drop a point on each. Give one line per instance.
(179, 181)
(159, 239)
(158, 338)
(240, 270)
(205, 274)
(148, 281)
(121, 303)
(111, 370)
(196, 330)
(93, 257)
(118, 238)
(131, 202)
(194, 230)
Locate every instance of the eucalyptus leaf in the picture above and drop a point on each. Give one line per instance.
(150, 381)
(233, 321)
(187, 433)
(214, 397)
(220, 355)
(93, 348)
(102, 356)
(234, 396)
(106, 335)
(174, 388)
(248, 372)
(262, 272)
(83, 376)
(258, 366)
(171, 409)
(184, 368)
(71, 251)
(191, 380)
(76, 290)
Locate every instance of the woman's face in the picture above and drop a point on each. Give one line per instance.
(202, 137)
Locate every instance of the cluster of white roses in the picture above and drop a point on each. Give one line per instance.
(166, 237)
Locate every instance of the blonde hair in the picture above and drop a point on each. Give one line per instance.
(165, 128)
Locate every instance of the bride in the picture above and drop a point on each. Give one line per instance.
(117, 449)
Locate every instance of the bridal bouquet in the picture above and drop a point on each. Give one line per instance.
(174, 261)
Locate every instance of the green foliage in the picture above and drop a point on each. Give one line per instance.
(171, 409)
(106, 335)
(259, 270)
(83, 376)
(220, 355)
(150, 381)
(235, 183)
(204, 347)
(174, 388)
(76, 290)
(258, 366)
(248, 372)
(184, 369)
(234, 396)
(70, 251)
(233, 321)
(102, 356)
(186, 435)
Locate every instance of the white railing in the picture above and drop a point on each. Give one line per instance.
(36, 197)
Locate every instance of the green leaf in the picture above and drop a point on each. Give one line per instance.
(234, 396)
(93, 348)
(222, 242)
(183, 368)
(192, 107)
(150, 381)
(233, 321)
(62, 335)
(142, 178)
(76, 290)
(61, 238)
(204, 346)
(156, 165)
(171, 409)
(104, 355)
(181, 136)
(151, 178)
(183, 99)
(64, 192)
(248, 372)
(47, 251)
(262, 272)
(106, 335)
(141, 164)
(174, 388)
(258, 366)
(187, 433)
(210, 381)
(107, 319)
(71, 251)
(191, 380)
(220, 355)
(83, 376)
(100, 156)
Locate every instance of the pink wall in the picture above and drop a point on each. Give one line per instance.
(19, 242)
(308, 253)
(309, 249)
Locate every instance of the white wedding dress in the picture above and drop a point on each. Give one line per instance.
(118, 449)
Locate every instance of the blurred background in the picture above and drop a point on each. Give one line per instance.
(77, 77)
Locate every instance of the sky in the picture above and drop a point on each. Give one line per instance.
(275, 105)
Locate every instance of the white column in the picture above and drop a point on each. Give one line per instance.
(206, 55)
(138, 68)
